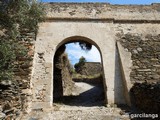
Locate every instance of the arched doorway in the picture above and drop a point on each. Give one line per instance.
(66, 87)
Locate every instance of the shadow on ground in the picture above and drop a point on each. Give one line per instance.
(94, 96)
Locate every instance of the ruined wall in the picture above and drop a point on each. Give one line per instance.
(144, 46)
(15, 95)
(102, 11)
(146, 97)
(145, 70)
(90, 68)
(145, 56)
(63, 84)
(136, 27)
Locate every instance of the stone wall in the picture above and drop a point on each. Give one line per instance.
(91, 80)
(97, 24)
(145, 70)
(103, 11)
(90, 68)
(15, 95)
(145, 56)
(63, 84)
(146, 97)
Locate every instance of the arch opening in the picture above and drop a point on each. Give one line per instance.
(78, 86)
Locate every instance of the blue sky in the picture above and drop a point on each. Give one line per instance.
(74, 51)
(109, 1)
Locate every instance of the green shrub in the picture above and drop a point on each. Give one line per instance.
(7, 57)
(17, 17)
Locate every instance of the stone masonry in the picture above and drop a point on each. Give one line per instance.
(145, 56)
(15, 95)
(62, 74)
(127, 37)
(90, 68)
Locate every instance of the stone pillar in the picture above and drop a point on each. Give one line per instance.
(42, 76)
(108, 57)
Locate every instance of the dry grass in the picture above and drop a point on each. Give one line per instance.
(79, 76)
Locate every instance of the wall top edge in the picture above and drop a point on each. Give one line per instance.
(98, 3)
(108, 20)
(103, 10)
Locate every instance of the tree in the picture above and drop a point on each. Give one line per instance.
(85, 46)
(78, 65)
(17, 17)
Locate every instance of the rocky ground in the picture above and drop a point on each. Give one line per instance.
(88, 105)
(80, 113)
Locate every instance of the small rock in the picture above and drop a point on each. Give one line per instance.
(9, 111)
(6, 82)
(33, 118)
(126, 49)
(17, 113)
(139, 49)
(1, 109)
(10, 117)
(108, 105)
(7, 106)
(121, 112)
(135, 51)
(26, 91)
(2, 116)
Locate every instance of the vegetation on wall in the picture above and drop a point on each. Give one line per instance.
(17, 18)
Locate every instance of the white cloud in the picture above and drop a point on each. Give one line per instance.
(75, 52)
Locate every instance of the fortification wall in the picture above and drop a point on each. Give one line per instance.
(145, 55)
(103, 11)
(126, 35)
(15, 94)
(90, 68)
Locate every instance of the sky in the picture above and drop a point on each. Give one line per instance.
(74, 51)
(109, 1)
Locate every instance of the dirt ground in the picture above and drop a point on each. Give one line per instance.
(87, 103)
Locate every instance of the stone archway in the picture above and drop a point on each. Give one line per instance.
(50, 39)
(63, 85)
(103, 27)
